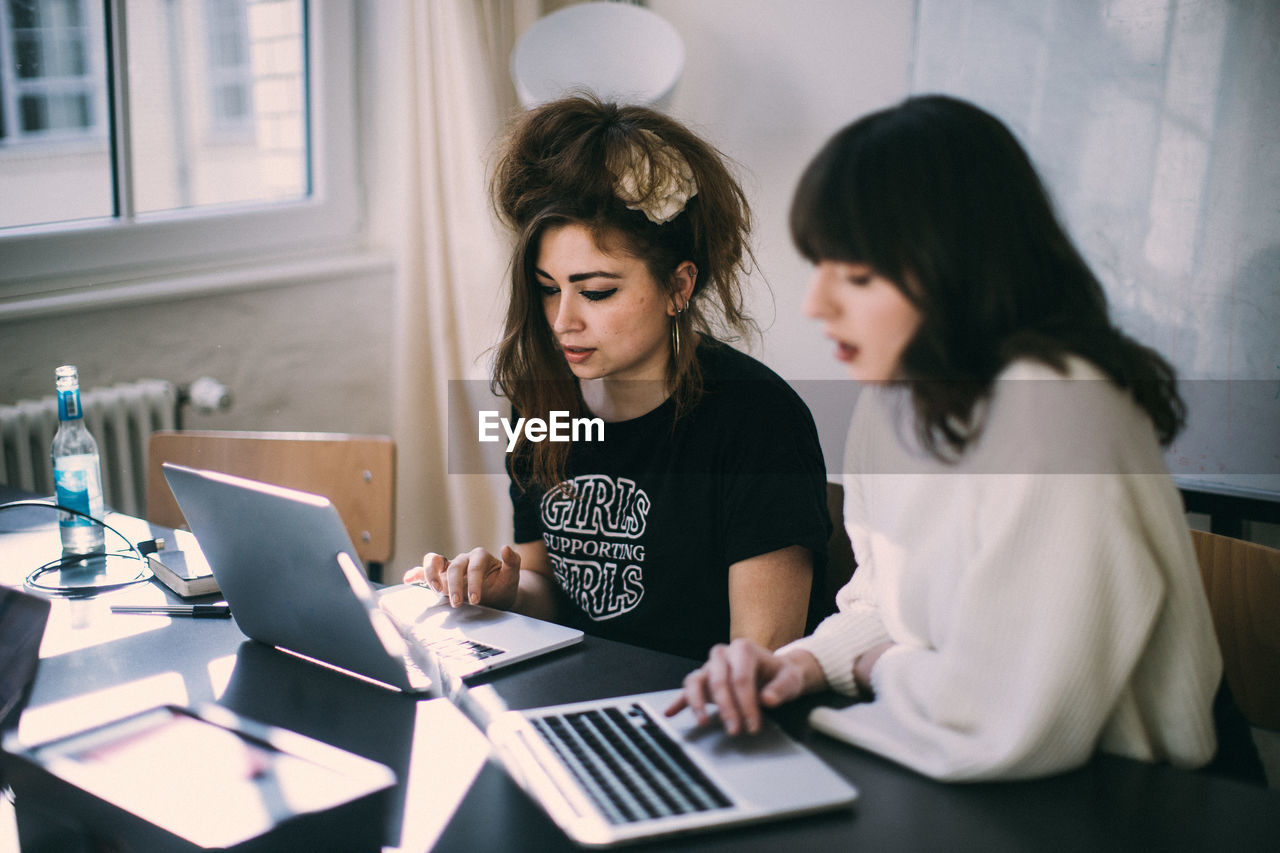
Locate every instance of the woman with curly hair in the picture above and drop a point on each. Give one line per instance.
(699, 515)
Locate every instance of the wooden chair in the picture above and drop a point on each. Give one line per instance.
(355, 472)
(1242, 581)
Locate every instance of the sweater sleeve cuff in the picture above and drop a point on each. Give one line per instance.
(836, 644)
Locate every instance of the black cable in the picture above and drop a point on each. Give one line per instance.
(69, 561)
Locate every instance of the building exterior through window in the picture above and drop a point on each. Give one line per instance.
(216, 100)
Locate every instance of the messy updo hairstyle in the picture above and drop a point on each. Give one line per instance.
(937, 196)
(559, 165)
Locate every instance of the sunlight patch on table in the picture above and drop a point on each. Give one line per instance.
(47, 722)
(442, 738)
(76, 624)
(220, 670)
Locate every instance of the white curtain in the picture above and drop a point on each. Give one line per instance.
(436, 93)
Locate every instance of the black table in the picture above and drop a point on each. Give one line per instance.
(458, 801)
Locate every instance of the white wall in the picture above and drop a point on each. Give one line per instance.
(1154, 126)
(768, 82)
(312, 356)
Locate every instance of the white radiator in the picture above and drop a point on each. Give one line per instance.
(121, 418)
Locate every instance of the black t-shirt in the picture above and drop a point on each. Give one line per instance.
(662, 507)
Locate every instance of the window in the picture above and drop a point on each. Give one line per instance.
(170, 134)
(230, 71)
(51, 84)
(55, 155)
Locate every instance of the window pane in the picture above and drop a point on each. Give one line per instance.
(26, 51)
(23, 15)
(34, 114)
(56, 14)
(55, 159)
(217, 96)
(69, 56)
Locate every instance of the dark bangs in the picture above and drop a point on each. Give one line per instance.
(848, 205)
(824, 219)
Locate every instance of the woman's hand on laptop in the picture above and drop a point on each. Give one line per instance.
(476, 577)
(740, 678)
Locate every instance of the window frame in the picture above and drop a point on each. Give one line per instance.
(44, 259)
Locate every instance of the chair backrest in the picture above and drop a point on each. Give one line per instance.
(1242, 581)
(355, 472)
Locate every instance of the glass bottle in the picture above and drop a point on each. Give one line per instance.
(77, 473)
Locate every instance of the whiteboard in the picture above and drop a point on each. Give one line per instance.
(1156, 126)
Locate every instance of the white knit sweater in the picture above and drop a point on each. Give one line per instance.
(1042, 594)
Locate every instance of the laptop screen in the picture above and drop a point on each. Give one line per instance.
(22, 620)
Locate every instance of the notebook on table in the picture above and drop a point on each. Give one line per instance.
(286, 566)
(617, 770)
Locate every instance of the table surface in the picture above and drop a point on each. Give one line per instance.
(97, 666)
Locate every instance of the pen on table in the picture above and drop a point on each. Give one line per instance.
(198, 611)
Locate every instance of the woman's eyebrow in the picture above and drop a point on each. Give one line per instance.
(578, 276)
(583, 276)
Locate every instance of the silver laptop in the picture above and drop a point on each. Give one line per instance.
(617, 770)
(286, 566)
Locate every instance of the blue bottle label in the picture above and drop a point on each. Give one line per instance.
(69, 405)
(76, 486)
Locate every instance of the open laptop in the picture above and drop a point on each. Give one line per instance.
(616, 770)
(286, 566)
(22, 621)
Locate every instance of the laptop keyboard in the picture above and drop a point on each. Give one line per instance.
(458, 648)
(447, 649)
(628, 765)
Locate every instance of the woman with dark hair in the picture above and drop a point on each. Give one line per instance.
(701, 514)
(1026, 590)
